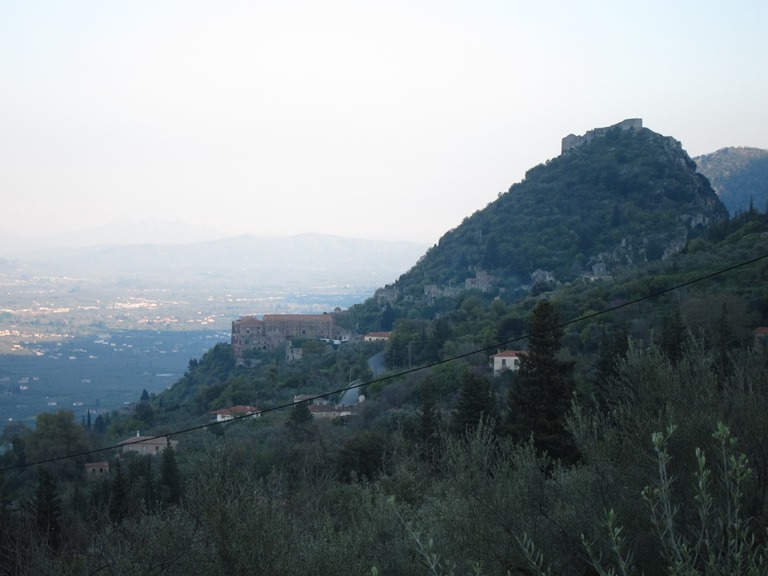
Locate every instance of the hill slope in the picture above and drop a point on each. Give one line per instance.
(622, 198)
(739, 176)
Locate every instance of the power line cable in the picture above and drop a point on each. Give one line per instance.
(389, 376)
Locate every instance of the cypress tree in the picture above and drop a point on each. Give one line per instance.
(540, 395)
(674, 336)
(428, 414)
(429, 421)
(46, 506)
(99, 425)
(612, 349)
(300, 414)
(476, 402)
(724, 343)
(142, 481)
(119, 495)
(170, 477)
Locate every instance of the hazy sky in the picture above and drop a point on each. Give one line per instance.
(381, 119)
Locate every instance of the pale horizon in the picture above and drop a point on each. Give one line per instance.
(386, 122)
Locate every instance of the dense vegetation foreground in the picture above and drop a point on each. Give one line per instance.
(668, 477)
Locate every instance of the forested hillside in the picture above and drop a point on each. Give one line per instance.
(622, 199)
(630, 441)
(608, 207)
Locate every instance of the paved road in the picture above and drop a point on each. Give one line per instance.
(376, 363)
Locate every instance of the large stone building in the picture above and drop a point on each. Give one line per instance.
(274, 330)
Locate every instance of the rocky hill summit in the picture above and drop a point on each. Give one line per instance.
(739, 175)
(616, 197)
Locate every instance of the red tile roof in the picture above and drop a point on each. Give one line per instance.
(236, 410)
(510, 354)
(378, 335)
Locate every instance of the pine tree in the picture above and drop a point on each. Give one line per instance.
(540, 396)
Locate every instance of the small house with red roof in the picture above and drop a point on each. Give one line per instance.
(506, 360)
(377, 336)
(225, 414)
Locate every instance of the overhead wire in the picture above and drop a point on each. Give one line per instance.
(386, 377)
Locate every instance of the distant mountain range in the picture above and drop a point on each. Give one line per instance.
(291, 260)
(145, 231)
(739, 176)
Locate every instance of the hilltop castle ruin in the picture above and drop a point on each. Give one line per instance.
(572, 141)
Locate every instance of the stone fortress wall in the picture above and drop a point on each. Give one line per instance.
(274, 330)
(572, 140)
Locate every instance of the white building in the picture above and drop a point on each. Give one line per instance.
(507, 360)
(225, 414)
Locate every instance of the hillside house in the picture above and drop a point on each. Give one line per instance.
(311, 399)
(146, 444)
(377, 336)
(507, 360)
(96, 470)
(329, 412)
(226, 414)
(293, 352)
